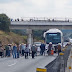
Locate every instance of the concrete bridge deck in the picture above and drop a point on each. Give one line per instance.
(40, 25)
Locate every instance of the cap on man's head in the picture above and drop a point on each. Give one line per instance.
(59, 44)
(50, 42)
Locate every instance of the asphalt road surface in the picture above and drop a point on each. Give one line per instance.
(24, 65)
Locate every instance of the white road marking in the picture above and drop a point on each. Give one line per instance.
(12, 64)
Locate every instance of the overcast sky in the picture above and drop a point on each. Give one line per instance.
(36, 8)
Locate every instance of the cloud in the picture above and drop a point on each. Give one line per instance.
(60, 3)
(39, 8)
(39, 2)
(9, 1)
(9, 8)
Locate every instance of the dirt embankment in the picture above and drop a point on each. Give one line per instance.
(11, 37)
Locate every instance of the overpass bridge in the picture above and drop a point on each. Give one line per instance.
(40, 25)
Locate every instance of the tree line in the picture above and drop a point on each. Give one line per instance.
(4, 22)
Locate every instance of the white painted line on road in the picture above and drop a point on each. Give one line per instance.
(12, 64)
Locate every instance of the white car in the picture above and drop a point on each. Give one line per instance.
(38, 45)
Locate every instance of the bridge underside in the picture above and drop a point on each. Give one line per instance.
(38, 27)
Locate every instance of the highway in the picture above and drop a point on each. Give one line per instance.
(24, 65)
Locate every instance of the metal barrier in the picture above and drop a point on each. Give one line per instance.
(60, 63)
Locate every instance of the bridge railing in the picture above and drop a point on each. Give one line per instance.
(60, 63)
(43, 19)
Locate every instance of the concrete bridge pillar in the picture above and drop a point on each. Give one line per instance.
(29, 36)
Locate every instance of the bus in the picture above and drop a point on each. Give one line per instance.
(53, 35)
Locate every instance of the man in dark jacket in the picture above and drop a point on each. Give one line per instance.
(42, 47)
(7, 50)
(33, 49)
(1, 51)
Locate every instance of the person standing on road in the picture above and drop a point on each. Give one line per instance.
(7, 50)
(59, 48)
(49, 48)
(29, 46)
(26, 51)
(0, 48)
(22, 49)
(18, 50)
(2, 51)
(14, 51)
(42, 47)
(33, 49)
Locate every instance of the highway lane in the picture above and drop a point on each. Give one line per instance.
(24, 65)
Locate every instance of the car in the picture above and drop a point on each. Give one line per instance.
(37, 45)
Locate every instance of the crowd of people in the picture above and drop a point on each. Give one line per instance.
(17, 50)
(47, 19)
